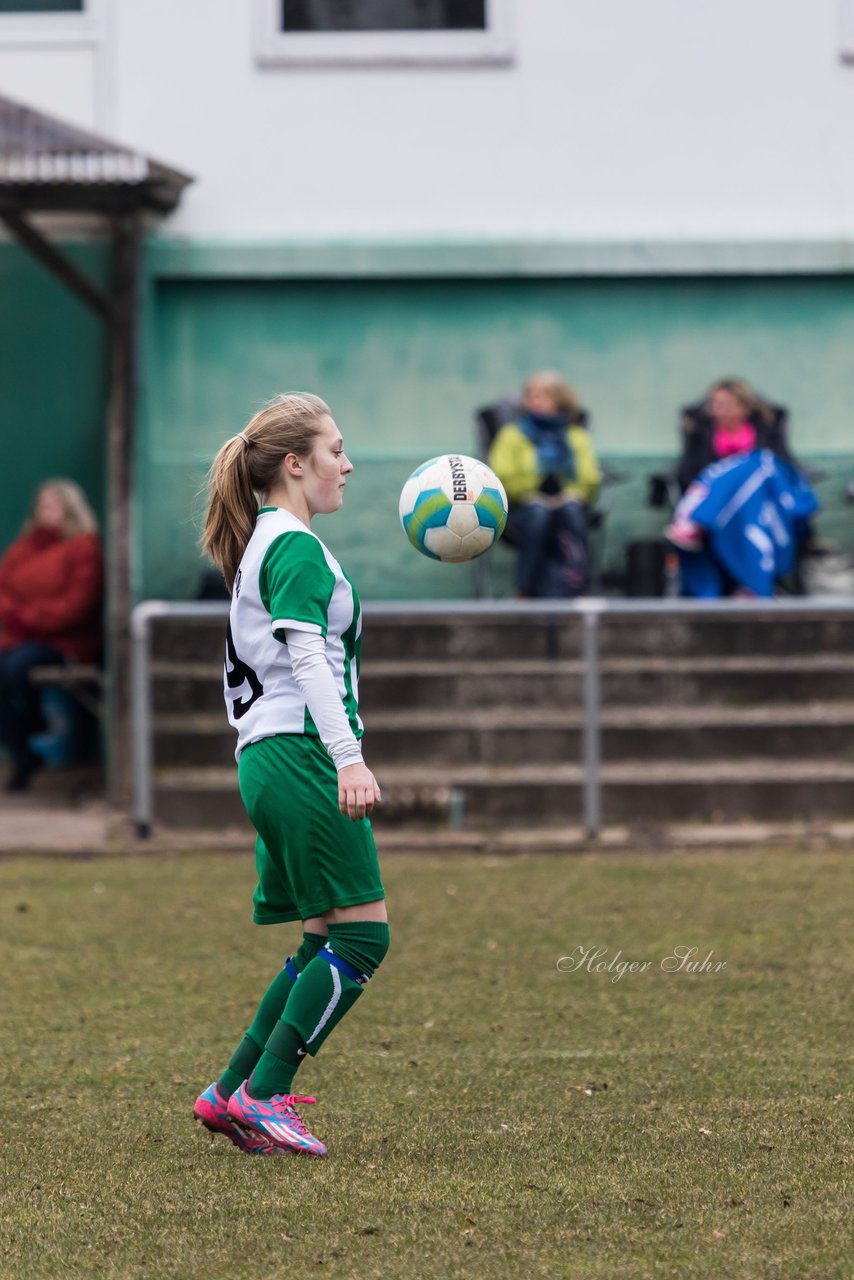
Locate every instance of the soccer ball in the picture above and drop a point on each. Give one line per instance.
(453, 508)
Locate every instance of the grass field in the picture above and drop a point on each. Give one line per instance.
(487, 1114)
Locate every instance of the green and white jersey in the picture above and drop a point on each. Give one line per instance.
(287, 580)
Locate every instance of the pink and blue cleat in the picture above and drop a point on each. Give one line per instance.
(211, 1110)
(274, 1121)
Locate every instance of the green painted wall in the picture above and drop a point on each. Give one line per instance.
(403, 362)
(53, 382)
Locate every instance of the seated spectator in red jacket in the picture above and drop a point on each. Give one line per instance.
(51, 591)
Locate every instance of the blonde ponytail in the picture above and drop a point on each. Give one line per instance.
(248, 465)
(232, 508)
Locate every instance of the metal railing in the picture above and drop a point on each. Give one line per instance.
(590, 609)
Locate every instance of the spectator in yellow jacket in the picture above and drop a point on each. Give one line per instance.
(546, 462)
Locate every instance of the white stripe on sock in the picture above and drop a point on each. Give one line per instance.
(330, 1008)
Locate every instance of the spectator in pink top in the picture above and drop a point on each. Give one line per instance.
(731, 420)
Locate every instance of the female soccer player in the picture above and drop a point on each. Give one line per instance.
(291, 690)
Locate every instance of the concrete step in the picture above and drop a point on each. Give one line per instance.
(659, 681)
(723, 718)
(504, 735)
(508, 735)
(508, 635)
(505, 636)
(657, 791)
(738, 681)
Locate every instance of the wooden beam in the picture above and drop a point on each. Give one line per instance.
(57, 263)
(120, 448)
(86, 198)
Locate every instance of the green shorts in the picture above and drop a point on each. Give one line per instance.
(308, 855)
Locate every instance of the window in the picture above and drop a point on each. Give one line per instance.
(846, 30)
(383, 15)
(48, 22)
(383, 31)
(41, 6)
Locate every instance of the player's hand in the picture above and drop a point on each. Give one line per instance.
(358, 791)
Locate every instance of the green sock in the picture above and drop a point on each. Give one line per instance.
(317, 1003)
(251, 1047)
(276, 1067)
(239, 1067)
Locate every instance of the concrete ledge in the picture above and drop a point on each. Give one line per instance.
(316, 259)
(99, 833)
(687, 837)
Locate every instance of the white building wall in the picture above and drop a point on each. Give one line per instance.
(62, 82)
(59, 62)
(615, 120)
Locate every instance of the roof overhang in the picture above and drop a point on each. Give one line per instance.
(48, 166)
